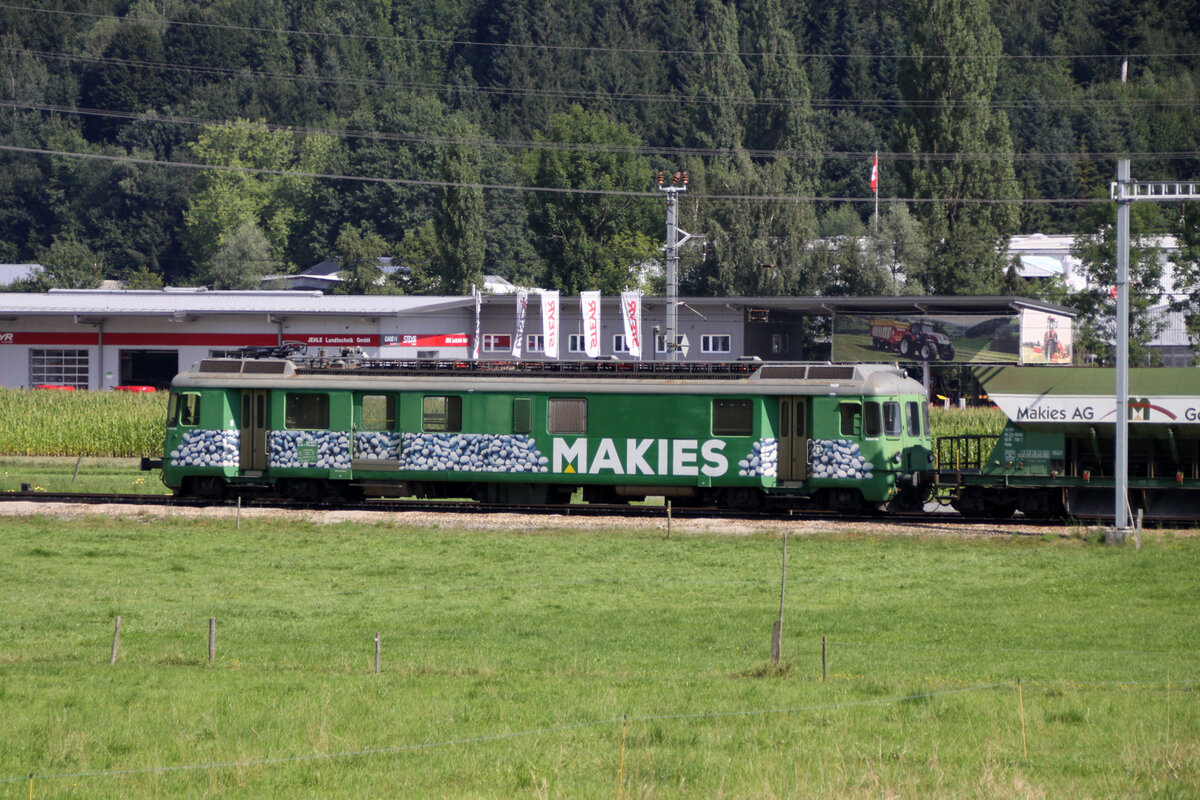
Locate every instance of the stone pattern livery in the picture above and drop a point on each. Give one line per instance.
(377, 445)
(205, 448)
(763, 460)
(838, 458)
(332, 449)
(472, 452)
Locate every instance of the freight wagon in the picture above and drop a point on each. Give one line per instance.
(1056, 455)
(739, 435)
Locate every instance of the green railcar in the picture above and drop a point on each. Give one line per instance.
(1056, 455)
(738, 435)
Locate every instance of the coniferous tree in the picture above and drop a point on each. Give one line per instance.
(961, 146)
(458, 217)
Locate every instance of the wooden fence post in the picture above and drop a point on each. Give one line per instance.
(377, 649)
(116, 638)
(777, 630)
(212, 639)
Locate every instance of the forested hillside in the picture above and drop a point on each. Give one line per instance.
(446, 134)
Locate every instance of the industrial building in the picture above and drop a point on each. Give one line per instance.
(103, 339)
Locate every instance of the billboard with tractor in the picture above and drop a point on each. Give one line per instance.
(931, 338)
(953, 338)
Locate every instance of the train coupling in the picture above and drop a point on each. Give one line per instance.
(149, 464)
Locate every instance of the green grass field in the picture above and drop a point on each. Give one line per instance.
(591, 664)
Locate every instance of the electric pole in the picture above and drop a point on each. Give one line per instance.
(674, 242)
(1125, 192)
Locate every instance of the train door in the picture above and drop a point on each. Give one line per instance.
(253, 433)
(793, 439)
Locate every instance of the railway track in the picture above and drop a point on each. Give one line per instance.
(939, 517)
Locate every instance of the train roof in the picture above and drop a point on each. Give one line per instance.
(601, 377)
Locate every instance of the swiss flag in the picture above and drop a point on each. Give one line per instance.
(875, 174)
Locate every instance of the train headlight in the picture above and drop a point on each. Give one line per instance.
(896, 458)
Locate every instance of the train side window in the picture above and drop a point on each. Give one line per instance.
(378, 412)
(306, 411)
(913, 414)
(189, 409)
(732, 418)
(872, 419)
(851, 418)
(925, 419)
(891, 418)
(566, 415)
(441, 413)
(522, 415)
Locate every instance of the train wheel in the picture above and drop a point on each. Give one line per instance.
(208, 487)
(1002, 510)
(299, 489)
(743, 498)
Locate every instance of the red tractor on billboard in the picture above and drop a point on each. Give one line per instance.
(920, 340)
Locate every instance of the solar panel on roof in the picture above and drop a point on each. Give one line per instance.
(264, 367)
(223, 366)
(784, 373)
(831, 373)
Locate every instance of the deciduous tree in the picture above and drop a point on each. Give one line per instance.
(595, 238)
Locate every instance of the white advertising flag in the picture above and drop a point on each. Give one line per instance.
(550, 323)
(478, 308)
(519, 339)
(589, 304)
(631, 313)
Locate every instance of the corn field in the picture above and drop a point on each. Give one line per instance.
(37, 422)
(960, 421)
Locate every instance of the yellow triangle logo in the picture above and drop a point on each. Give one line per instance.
(569, 469)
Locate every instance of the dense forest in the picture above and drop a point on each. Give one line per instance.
(178, 142)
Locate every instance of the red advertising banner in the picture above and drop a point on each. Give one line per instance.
(427, 340)
(590, 304)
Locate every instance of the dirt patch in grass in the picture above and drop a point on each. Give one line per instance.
(526, 522)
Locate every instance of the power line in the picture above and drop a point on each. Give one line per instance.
(645, 150)
(547, 189)
(638, 97)
(583, 48)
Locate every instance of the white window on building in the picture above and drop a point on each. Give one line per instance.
(59, 368)
(780, 342)
(224, 353)
(535, 343)
(716, 343)
(619, 345)
(497, 342)
(575, 343)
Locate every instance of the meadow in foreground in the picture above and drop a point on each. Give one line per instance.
(568, 664)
